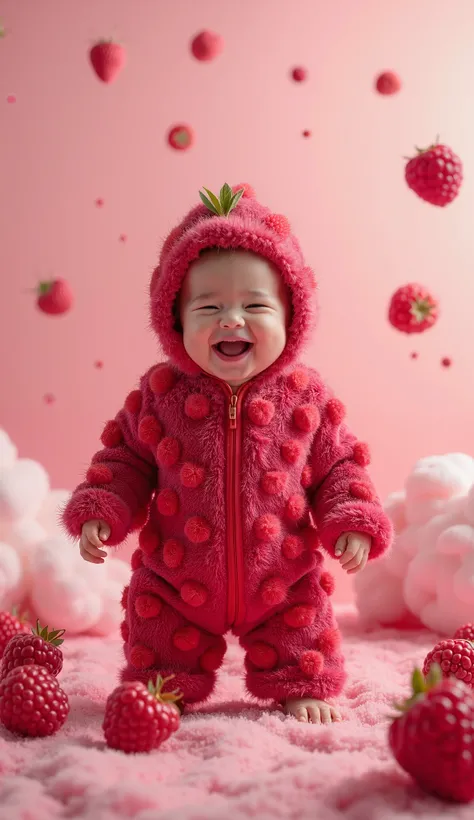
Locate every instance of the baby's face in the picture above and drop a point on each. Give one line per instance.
(233, 308)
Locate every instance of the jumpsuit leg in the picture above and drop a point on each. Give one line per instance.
(159, 640)
(295, 653)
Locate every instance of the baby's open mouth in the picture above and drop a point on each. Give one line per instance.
(233, 349)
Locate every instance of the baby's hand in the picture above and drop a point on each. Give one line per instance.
(353, 549)
(93, 534)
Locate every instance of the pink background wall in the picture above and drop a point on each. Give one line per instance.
(70, 139)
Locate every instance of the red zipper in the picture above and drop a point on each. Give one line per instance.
(234, 512)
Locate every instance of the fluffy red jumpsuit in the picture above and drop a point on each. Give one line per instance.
(235, 496)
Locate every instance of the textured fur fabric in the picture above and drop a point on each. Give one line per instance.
(301, 482)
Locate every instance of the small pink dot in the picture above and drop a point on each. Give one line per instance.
(99, 202)
(11, 98)
(48, 398)
(299, 74)
(306, 133)
(414, 355)
(123, 237)
(99, 364)
(446, 362)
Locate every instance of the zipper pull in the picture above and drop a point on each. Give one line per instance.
(233, 412)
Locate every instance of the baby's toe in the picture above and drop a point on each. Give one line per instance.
(335, 714)
(315, 714)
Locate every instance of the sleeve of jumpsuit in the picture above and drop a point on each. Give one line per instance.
(342, 497)
(122, 476)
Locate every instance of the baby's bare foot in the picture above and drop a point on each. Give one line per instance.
(308, 710)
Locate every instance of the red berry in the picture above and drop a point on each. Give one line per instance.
(455, 657)
(435, 174)
(140, 718)
(39, 647)
(306, 133)
(10, 626)
(32, 702)
(206, 46)
(413, 309)
(446, 361)
(431, 741)
(107, 59)
(181, 137)
(299, 74)
(388, 83)
(465, 633)
(54, 297)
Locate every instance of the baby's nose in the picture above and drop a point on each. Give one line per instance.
(232, 318)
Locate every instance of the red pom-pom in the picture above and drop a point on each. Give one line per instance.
(148, 606)
(99, 474)
(249, 192)
(273, 591)
(173, 553)
(161, 379)
(191, 475)
(112, 434)
(336, 411)
(262, 656)
(327, 583)
(311, 663)
(136, 560)
(299, 616)
(142, 657)
(295, 507)
(298, 379)
(361, 454)
(125, 631)
(329, 641)
(148, 540)
(279, 224)
(193, 593)
(187, 638)
(167, 452)
(124, 598)
(291, 451)
(261, 412)
(306, 418)
(133, 402)
(361, 491)
(149, 431)
(197, 406)
(267, 527)
(167, 502)
(197, 530)
(293, 546)
(212, 658)
(274, 482)
(307, 476)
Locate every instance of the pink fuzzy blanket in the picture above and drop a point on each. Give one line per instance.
(230, 759)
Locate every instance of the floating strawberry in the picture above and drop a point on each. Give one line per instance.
(413, 309)
(430, 740)
(465, 632)
(139, 718)
(207, 45)
(39, 647)
(388, 83)
(11, 625)
(54, 297)
(455, 657)
(32, 702)
(181, 137)
(435, 174)
(107, 59)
